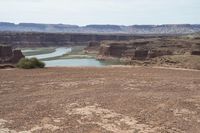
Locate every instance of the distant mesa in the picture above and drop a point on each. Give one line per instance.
(133, 29)
(104, 27)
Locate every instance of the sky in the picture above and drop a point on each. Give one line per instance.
(84, 12)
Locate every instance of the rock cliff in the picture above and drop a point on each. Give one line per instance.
(8, 55)
(144, 49)
(57, 39)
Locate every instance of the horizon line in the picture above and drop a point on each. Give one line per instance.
(100, 24)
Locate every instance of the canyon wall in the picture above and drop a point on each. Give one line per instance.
(8, 55)
(30, 39)
(143, 49)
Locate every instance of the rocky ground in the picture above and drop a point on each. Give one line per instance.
(100, 100)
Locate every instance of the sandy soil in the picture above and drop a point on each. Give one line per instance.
(99, 100)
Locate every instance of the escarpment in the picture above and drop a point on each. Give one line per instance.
(31, 39)
(144, 49)
(9, 55)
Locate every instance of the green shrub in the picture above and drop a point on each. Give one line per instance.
(30, 63)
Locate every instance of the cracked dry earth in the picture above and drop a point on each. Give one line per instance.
(99, 100)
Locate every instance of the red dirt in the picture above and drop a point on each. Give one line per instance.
(100, 100)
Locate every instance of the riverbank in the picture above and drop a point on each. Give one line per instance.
(74, 52)
(66, 57)
(89, 99)
(77, 56)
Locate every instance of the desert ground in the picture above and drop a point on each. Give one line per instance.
(100, 100)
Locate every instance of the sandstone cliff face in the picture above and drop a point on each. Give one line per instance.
(57, 39)
(143, 49)
(7, 55)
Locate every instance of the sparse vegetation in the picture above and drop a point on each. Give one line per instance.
(30, 63)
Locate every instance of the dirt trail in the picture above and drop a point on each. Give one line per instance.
(100, 100)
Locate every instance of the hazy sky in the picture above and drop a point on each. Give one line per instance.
(83, 12)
